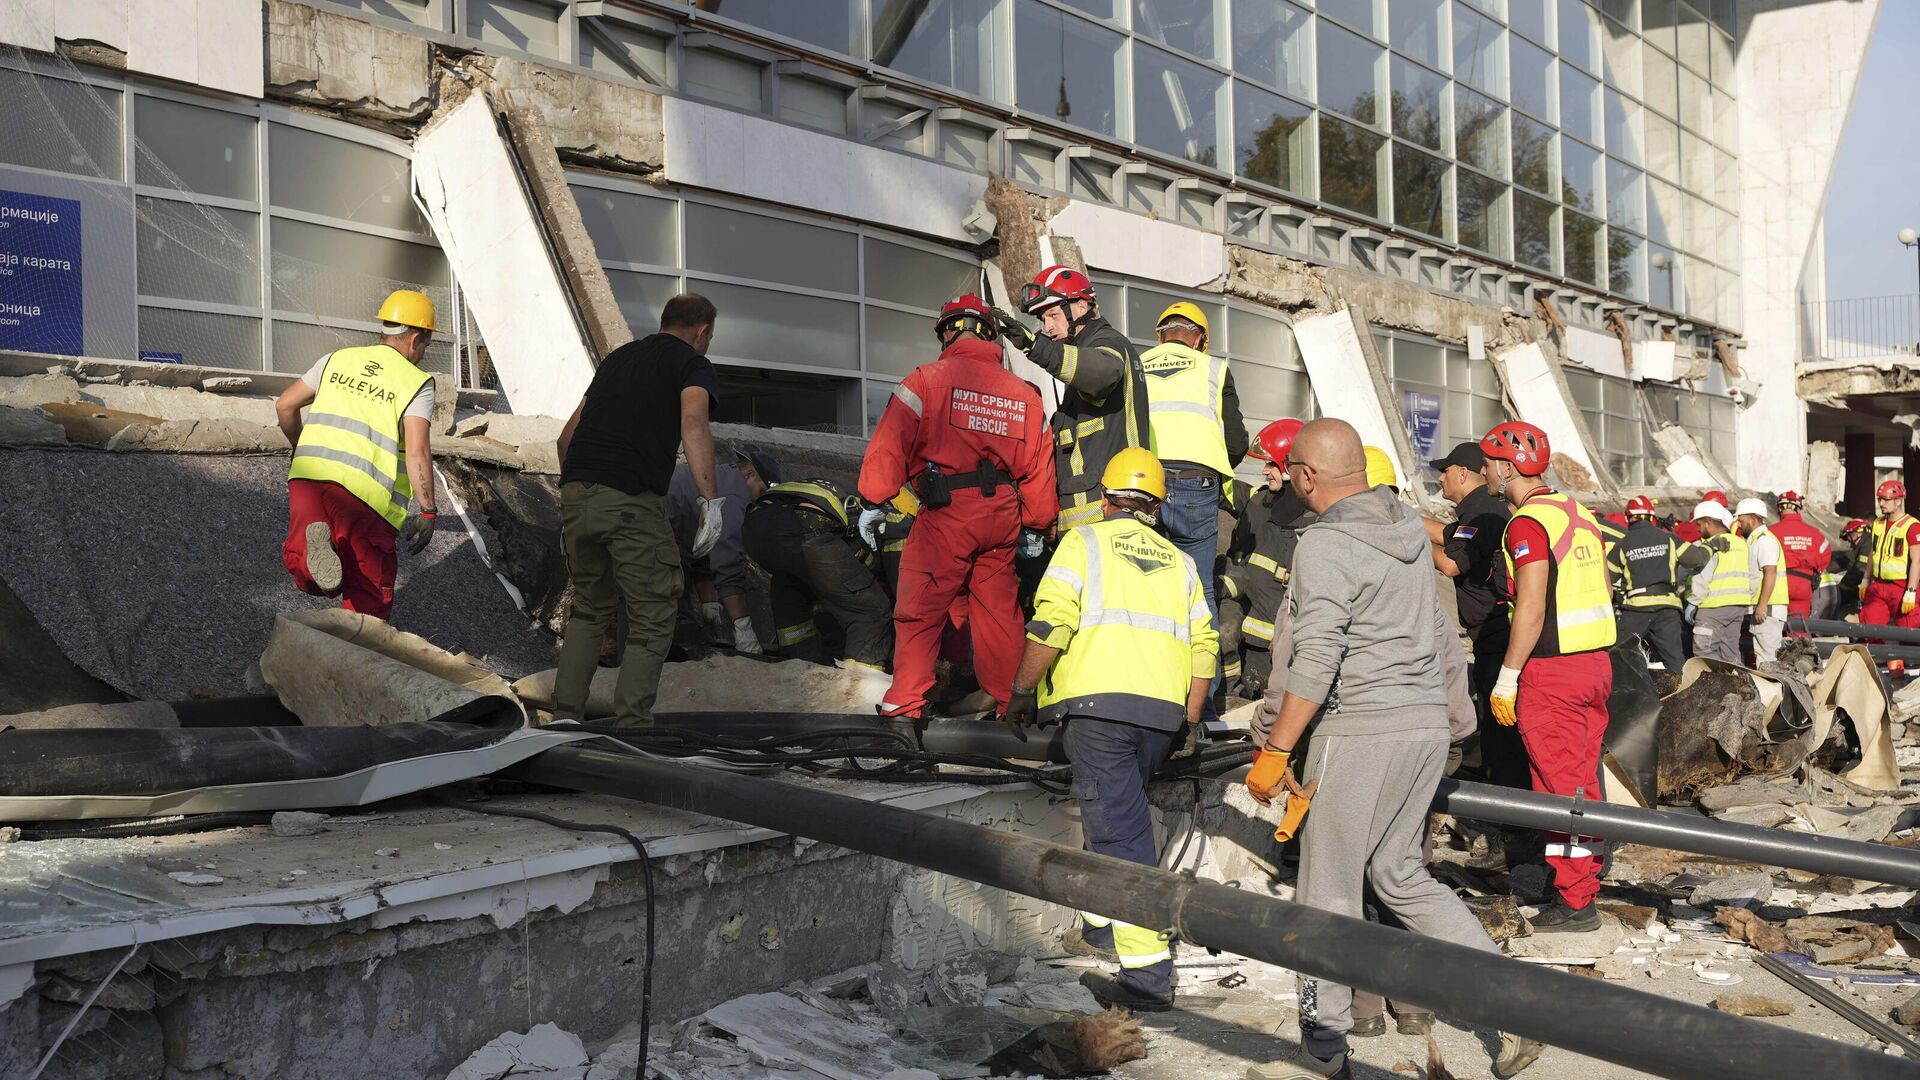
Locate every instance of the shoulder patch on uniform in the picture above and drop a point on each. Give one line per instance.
(987, 413)
(1465, 532)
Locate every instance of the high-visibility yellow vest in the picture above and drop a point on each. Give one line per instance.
(352, 435)
(1127, 610)
(1579, 602)
(1731, 583)
(1186, 398)
(1779, 596)
(1889, 561)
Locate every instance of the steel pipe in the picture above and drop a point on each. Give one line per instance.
(1837, 628)
(1880, 653)
(1667, 1038)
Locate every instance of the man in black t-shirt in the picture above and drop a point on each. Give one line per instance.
(617, 455)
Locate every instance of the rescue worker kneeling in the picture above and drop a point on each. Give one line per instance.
(801, 536)
(1122, 650)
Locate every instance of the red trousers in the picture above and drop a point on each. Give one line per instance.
(1563, 718)
(362, 539)
(960, 552)
(1799, 597)
(1882, 606)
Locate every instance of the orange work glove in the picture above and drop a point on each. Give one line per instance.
(1299, 801)
(1268, 772)
(1505, 698)
(1907, 602)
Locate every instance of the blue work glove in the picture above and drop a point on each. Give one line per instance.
(1032, 544)
(1691, 611)
(871, 519)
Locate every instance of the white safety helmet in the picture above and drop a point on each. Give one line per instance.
(1756, 507)
(1713, 511)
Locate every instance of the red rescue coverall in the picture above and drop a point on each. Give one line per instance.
(953, 414)
(1808, 552)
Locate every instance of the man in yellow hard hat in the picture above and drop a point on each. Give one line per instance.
(362, 454)
(1122, 650)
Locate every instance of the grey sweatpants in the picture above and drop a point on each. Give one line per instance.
(1716, 633)
(1366, 827)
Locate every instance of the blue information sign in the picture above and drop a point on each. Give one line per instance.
(41, 299)
(1422, 412)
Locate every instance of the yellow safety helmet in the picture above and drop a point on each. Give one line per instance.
(1380, 468)
(1191, 313)
(1135, 470)
(407, 308)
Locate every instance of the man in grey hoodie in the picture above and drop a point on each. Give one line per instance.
(1365, 672)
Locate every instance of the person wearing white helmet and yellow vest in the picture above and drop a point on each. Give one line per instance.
(1767, 566)
(1722, 591)
(1122, 650)
(361, 457)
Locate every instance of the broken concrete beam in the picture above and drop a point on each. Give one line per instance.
(1019, 221)
(587, 118)
(25, 392)
(182, 403)
(92, 425)
(1751, 1005)
(726, 683)
(200, 437)
(343, 64)
(30, 427)
(1275, 280)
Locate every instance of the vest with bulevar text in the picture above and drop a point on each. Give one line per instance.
(352, 435)
(1186, 397)
(1579, 602)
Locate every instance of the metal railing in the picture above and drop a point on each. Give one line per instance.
(1859, 329)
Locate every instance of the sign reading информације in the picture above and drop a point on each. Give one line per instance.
(41, 299)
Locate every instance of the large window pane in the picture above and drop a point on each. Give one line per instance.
(1417, 110)
(1626, 12)
(1176, 106)
(322, 271)
(60, 125)
(1726, 178)
(1693, 34)
(340, 178)
(783, 328)
(1415, 26)
(1657, 22)
(1529, 17)
(826, 23)
(205, 339)
(1532, 154)
(1268, 393)
(1582, 245)
(729, 80)
(1188, 25)
(1580, 175)
(1479, 56)
(192, 252)
(1720, 53)
(296, 345)
(1577, 25)
(1726, 121)
(1272, 139)
(1358, 14)
(813, 104)
(1145, 305)
(906, 275)
(1483, 212)
(1620, 55)
(1626, 264)
(1625, 135)
(1696, 103)
(626, 52)
(642, 297)
(1663, 146)
(1626, 196)
(1663, 278)
(525, 25)
(1261, 338)
(190, 148)
(950, 42)
(1696, 165)
(1579, 105)
(1272, 42)
(898, 342)
(1067, 67)
(1664, 212)
(630, 228)
(1532, 231)
(1419, 190)
(1349, 166)
(1533, 82)
(724, 241)
(1662, 83)
(1349, 74)
(1480, 131)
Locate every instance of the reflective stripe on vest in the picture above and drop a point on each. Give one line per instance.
(1186, 396)
(819, 496)
(1732, 582)
(1579, 602)
(1647, 558)
(1779, 597)
(1889, 549)
(1269, 564)
(352, 434)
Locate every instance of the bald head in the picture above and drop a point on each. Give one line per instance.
(1335, 460)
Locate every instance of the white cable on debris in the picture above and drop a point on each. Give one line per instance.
(75, 1020)
(480, 545)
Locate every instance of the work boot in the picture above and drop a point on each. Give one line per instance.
(1110, 991)
(1561, 919)
(1413, 1023)
(1074, 943)
(1368, 1027)
(1516, 1053)
(323, 563)
(1304, 1066)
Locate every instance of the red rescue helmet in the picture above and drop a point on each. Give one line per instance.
(1055, 285)
(1892, 489)
(1716, 495)
(966, 312)
(1639, 505)
(1276, 439)
(1852, 527)
(1521, 443)
(1791, 500)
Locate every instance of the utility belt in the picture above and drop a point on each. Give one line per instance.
(935, 488)
(1186, 471)
(1805, 575)
(1663, 588)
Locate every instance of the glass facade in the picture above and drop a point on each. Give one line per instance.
(1431, 380)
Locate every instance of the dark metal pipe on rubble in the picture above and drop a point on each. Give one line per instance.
(1681, 832)
(1627, 1027)
(1837, 628)
(1881, 653)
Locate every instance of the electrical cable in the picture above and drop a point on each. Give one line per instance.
(166, 826)
(646, 865)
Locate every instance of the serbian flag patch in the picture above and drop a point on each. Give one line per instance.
(1522, 550)
(1465, 532)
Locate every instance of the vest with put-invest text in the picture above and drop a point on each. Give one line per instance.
(352, 435)
(1646, 558)
(1086, 434)
(1731, 583)
(1890, 549)
(1127, 611)
(1186, 398)
(1579, 603)
(1778, 597)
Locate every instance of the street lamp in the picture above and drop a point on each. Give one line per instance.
(1910, 238)
(1663, 262)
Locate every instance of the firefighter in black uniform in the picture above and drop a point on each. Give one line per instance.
(800, 534)
(1259, 559)
(1648, 563)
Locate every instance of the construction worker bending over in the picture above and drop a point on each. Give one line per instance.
(1809, 556)
(1722, 592)
(1892, 581)
(1848, 570)
(801, 535)
(647, 398)
(361, 455)
(1557, 675)
(1261, 555)
(1121, 649)
(969, 436)
(720, 581)
(1767, 562)
(1648, 563)
(1365, 673)
(1104, 409)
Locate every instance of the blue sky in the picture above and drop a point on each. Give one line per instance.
(1876, 184)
